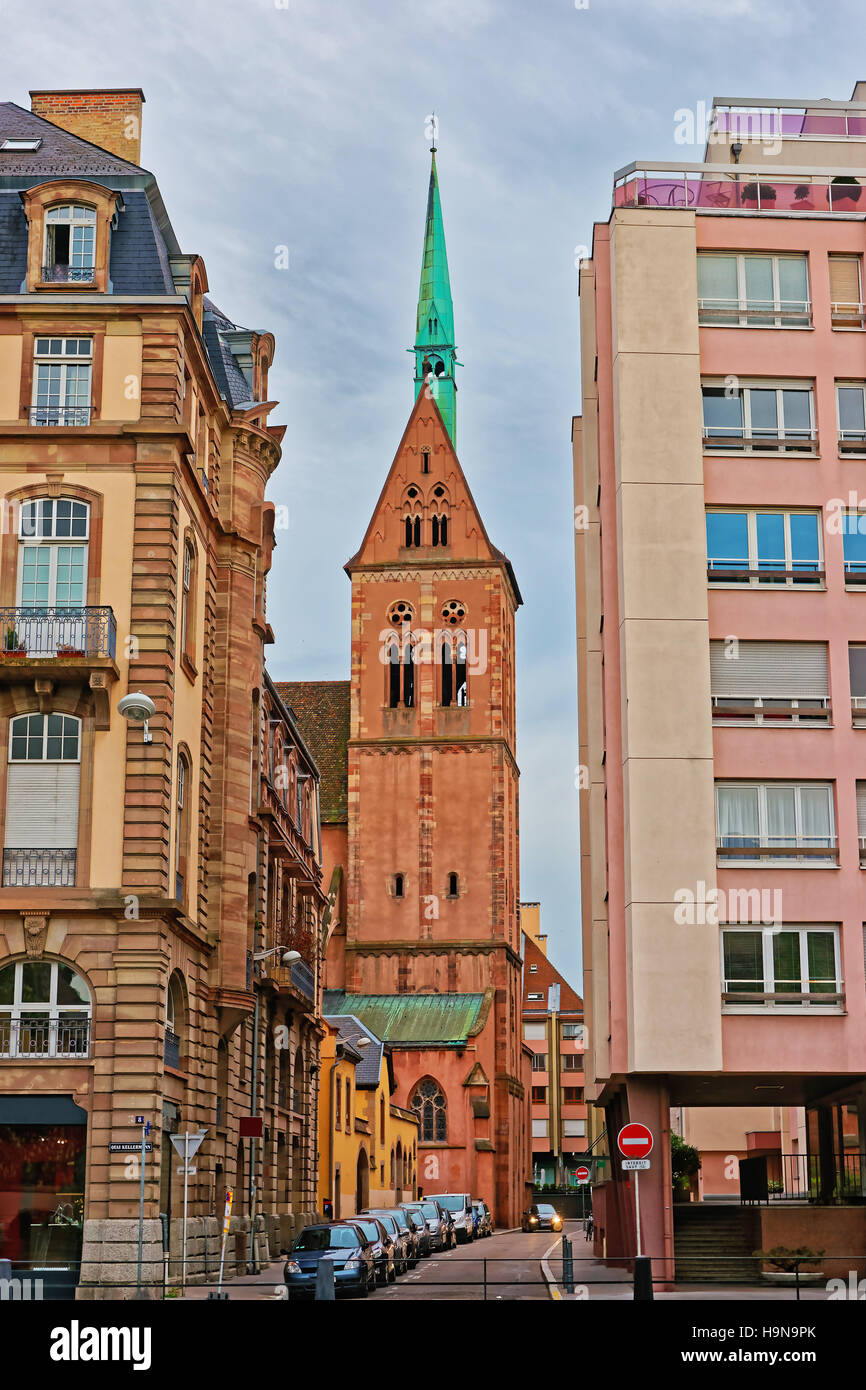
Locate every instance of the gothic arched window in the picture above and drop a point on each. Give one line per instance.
(428, 1100)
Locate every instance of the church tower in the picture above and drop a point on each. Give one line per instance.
(429, 954)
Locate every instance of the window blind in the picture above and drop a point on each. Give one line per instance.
(845, 279)
(42, 805)
(771, 670)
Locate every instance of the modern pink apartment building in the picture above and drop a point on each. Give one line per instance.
(720, 529)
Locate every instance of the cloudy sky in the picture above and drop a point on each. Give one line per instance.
(301, 123)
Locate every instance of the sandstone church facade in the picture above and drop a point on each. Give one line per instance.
(420, 793)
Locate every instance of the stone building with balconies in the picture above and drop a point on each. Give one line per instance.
(155, 871)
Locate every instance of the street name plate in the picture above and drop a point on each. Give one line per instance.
(132, 1146)
(632, 1165)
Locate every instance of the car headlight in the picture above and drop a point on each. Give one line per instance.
(533, 1220)
(352, 1262)
(293, 1267)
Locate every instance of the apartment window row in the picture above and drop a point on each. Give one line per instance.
(571, 1095)
(771, 290)
(766, 416)
(775, 822)
(571, 1129)
(781, 683)
(764, 547)
(781, 967)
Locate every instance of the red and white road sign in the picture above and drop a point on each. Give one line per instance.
(634, 1141)
(582, 1174)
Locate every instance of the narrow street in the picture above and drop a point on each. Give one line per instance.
(512, 1261)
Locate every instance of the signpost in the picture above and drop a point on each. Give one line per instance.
(146, 1148)
(226, 1221)
(186, 1146)
(582, 1174)
(635, 1142)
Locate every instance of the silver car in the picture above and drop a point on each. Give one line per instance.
(439, 1224)
(397, 1234)
(406, 1230)
(460, 1206)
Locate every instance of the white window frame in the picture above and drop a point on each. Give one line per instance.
(49, 1009)
(792, 859)
(61, 357)
(839, 320)
(856, 436)
(741, 309)
(540, 1128)
(769, 981)
(750, 440)
(34, 714)
(80, 218)
(774, 579)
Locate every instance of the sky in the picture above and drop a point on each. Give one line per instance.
(302, 124)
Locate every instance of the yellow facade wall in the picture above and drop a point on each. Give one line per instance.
(121, 372)
(11, 348)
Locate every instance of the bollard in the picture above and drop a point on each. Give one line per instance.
(643, 1279)
(325, 1291)
(567, 1264)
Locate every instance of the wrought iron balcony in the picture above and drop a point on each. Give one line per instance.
(68, 274)
(39, 868)
(37, 1035)
(55, 633)
(172, 1049)
(60, 415)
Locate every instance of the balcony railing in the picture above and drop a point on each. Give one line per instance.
(745, 313)
(60, 415)
(172, 1049)
(733, 571)
(758, 123)
(43, 633)
(799, 1178)
(714, 189)
(36, 1035)
(747, 710)
(855, 572)
(303, 979)
(68, 274)
(848, 315)
(852, 442)
(784, 848)
(761, 441)
(39, 868)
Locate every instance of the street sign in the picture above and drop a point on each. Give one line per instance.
(129, 1147)
(635, 1141)
(250, 1127)
(582, 1174)
(185, 1145)
(635, 1165)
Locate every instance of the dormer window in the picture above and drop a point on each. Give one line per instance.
(70, 244)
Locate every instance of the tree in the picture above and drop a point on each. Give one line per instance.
(685, 1162)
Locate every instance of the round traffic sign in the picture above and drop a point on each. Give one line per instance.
(634, 1141)
(582, 1174)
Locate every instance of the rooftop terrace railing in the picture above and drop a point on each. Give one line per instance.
(738, 189)
(743, 121)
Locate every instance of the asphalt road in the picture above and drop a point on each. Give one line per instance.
(513, 1264)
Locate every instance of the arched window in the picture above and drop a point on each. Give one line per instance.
(399, 885)
(183, 797)
(348, 1106)
(53, 535)
(175, 1020)
(409, 673)
(42, 782)
(338, 1104)
(45, 1010)
(455, 685)
(429, 1102)
(298, 1089)
(401, 670)
(425, 460)
(70, 244)
(439, 529)
(381, 1119)
(222, 1083)
(187, 602)
(412, 530)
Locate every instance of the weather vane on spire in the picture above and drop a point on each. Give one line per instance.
(431, 130)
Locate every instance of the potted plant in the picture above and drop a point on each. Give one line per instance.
(11, 645)
(69, 651)
(788, 1265)
(685, 1166)
(751, 191)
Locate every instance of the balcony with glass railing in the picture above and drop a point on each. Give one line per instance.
(736, 189)
(755, 121)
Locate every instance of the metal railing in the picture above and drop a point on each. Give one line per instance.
(737, 571)
(46, 633)
(756, 710)
(37, 1035)
(718, 312)
(711, 188)
(782, 1177)
(303, 979)
(60, 415)
(39, 868)
(68, 274)
(848, 315)
(820, 848)
(756, 440)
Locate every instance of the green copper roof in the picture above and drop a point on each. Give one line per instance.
(412, 1018)
(434, 295)
(435, 351)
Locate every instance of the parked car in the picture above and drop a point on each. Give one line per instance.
(349, 1250)
(483, 1219)
(460, 1206)
(541, 1217)
(439, 1225)
(398, 1235)
(383, 1247)
(419, 1226)
(408, 1231)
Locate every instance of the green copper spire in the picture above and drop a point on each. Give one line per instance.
(435, 353)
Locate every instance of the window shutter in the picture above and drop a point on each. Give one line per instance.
(42, 805)
(861, 808)
(845, 279)
(772, 670)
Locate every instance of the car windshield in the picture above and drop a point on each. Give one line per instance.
(545, 1209)
(388, 1222)
(371, 1230)
(415, 1219)
(479, 1207)
(452, 1202)
(431, 1211)
(400, 1218)
(326, 1238)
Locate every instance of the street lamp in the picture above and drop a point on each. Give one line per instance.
(138, 708)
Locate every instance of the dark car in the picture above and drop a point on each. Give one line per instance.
(542, 1217)
(483, 1218)
(408, 1232)
(383, 1247)
(348, 1249)
(438, 1228)
(419, 1225)
(399, 1236)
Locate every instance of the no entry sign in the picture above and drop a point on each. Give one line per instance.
(634, 1141)
(582, 1174)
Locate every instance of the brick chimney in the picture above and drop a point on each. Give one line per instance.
(110, 118)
